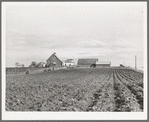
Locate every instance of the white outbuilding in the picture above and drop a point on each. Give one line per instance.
(69, 62)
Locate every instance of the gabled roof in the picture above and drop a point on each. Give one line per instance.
(55, 56)
(69, 61)
(41, 63)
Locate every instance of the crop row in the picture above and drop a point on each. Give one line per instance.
(75, 90)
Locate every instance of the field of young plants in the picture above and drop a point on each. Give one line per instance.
(80, 89)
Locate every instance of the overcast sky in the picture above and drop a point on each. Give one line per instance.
(109, 32)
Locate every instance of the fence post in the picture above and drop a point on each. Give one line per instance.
(15, 70)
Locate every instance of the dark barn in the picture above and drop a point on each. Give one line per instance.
(87, 62)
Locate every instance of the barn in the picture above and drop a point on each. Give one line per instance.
(69, 62)
(54, 60)
(87, 62)
(103, 64)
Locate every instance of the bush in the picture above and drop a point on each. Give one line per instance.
(49, 69)
(93, 65)
(121, 65)
(46, 70)
(27, 71)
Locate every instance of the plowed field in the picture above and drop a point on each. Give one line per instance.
(99, 90)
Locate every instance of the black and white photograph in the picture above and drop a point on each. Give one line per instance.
(74, 60)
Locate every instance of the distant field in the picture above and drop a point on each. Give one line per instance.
(13, 70)
(81, 89)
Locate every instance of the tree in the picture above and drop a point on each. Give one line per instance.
(33, 64)
(17, 64)
(121, 65)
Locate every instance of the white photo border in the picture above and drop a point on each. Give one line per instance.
(71, 115)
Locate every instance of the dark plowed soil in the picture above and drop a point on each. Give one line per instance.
(90, 89)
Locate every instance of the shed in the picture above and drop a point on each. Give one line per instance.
(54, 60)
(69, 62)
(103, 64)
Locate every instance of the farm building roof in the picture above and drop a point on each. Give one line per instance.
(87, 61)
(55, 56)
(69, 61)
(41, 63)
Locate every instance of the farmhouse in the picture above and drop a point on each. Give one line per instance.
(103, 64)
(87, 62)
(69, 62)
(54, 60)
(41, 64)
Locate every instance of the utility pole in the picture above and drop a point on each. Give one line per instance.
(135, 62)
